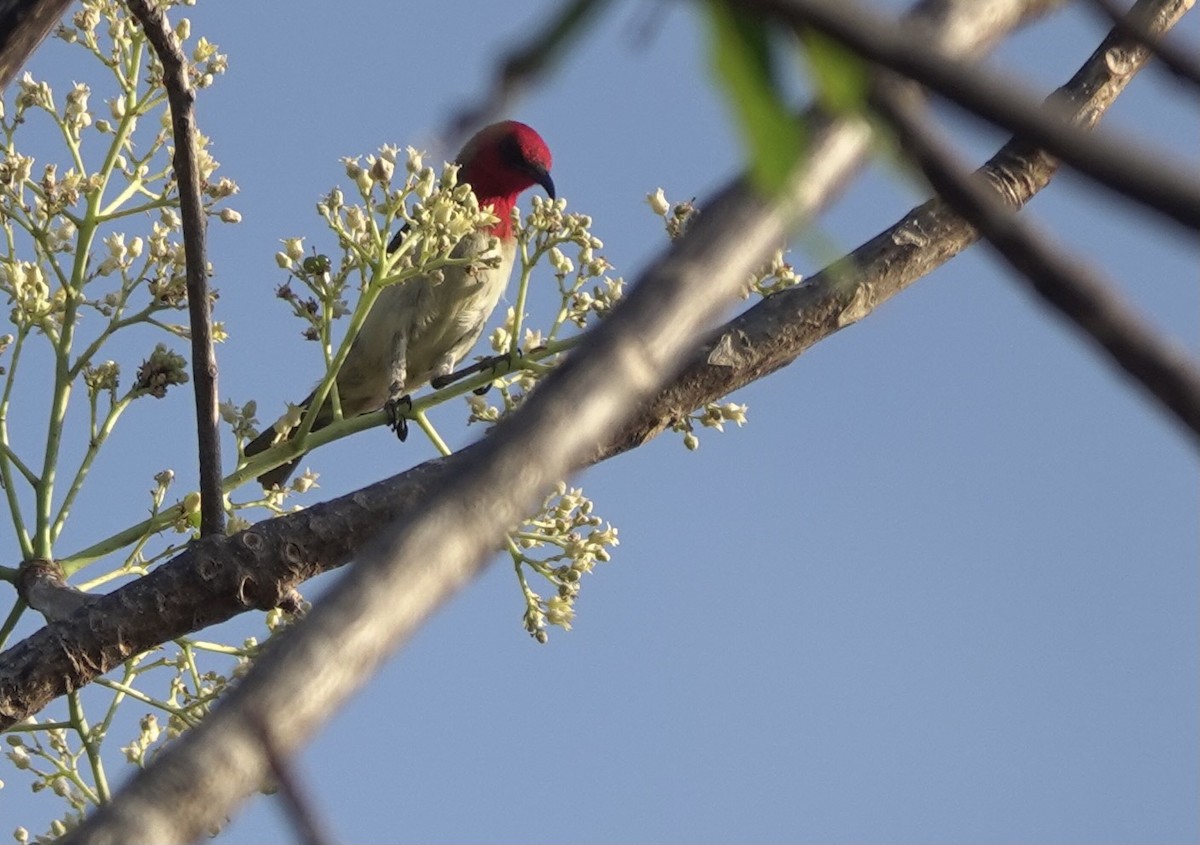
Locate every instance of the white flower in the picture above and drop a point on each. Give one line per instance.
(658, 202)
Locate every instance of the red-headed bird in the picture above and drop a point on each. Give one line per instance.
(418, 330)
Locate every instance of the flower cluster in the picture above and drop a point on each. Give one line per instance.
(775, 275)
(164, 368)
(713, 415)
(676, 217)
(547, 234)
(561, 543)
(47, 755)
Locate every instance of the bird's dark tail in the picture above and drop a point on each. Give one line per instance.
(280, 475)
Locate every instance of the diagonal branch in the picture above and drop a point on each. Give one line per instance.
(1179, 62)
(23, 26)
(522, 67)
(1148, 176)
(1064, 281)
(182, 98)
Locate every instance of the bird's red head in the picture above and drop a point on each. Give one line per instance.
(502, 160)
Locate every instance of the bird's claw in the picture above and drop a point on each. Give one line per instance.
(397, 411)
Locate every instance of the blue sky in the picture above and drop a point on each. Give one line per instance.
(942, 586)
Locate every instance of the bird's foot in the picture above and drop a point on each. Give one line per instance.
(397, 410)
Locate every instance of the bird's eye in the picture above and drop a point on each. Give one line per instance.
(511, 154)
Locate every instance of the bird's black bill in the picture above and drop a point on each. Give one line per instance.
(542, 177)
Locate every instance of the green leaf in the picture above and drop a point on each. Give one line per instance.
(841, 78)
(744, 64)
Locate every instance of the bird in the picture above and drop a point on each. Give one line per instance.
(419, 330)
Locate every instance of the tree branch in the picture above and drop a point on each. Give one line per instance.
(24, 24)
(522, 67)
(1064, 281)
(1148, 176)
(182, 98)
(1179, 62)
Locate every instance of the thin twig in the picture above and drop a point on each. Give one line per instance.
(1152, 177)
(182, 98)
(522, 67)
(297, 804)
(1064, 281)
(1179, 62)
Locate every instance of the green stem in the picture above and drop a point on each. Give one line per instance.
(514, 342)
(219, 648)
(11, 622)
(115, 325)
(426, 426)
(97, 440)
(518, 558)
(63, 380)
(90, 746)
(138, 695)
(188, 654)
(162, 202)
(109, 212)
(322, 392)
(71, 142)
(35, 727)
(10, 455)
(118, 697)
(6, 464)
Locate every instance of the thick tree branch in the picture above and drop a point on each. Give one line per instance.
(182, 98)
(23, 26)
(215, 580)
(1148, 176)
(41, 584)
(1076, 290)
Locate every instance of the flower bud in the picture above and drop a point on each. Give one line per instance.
(658, 202)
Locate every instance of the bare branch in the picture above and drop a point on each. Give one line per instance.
(182, 98)
(1179, 62)
(1148, 176)
(23, 26)
(1077, 291)
(522, 67)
